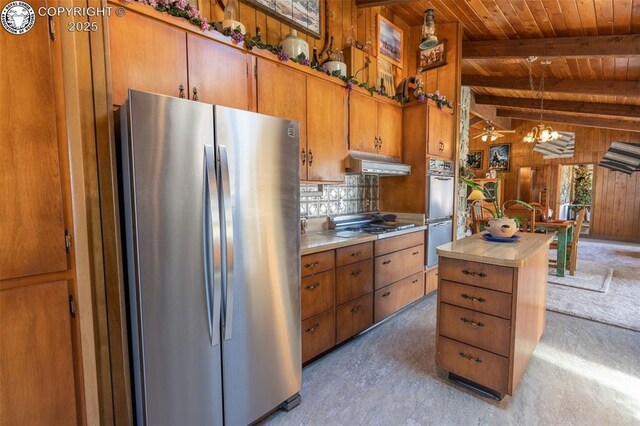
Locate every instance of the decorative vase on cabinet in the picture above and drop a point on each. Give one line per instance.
(293, 45)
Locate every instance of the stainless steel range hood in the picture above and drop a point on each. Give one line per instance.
(374, 164)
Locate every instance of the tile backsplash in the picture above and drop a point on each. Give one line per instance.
(358, 194)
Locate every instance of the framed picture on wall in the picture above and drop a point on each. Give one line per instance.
(303, 15)
(499, 157)
(389, 42)
(474, 159)
(433, 58)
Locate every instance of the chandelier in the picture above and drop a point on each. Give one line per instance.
(542, 132)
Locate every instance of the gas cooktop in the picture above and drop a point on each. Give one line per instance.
(350, 226)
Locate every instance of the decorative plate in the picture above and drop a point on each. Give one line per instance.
(487, 236)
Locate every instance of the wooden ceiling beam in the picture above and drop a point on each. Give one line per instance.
(475, 120)
(375, 3)
(563, 47)
(586, 87)
(632, 111)
(605, 123)
(488, 113)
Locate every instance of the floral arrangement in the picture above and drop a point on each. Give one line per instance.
(182, 9)
(440, 100)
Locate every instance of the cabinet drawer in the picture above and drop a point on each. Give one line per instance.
(398, 265)
(318, 334)
(353, 254)
(388, 245)
(354, 317)
(482, 367)
(353, 281)
(317, 262)
(479, 274)
(476, 298)
(481, 330)
(317, 293)
(396, 296)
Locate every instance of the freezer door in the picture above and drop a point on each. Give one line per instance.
(438, 233)
(176, 352)
(260, 198)
(440, 196)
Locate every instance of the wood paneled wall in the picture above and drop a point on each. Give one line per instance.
(345, 15)
(616, 196)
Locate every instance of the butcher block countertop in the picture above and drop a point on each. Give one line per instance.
(515, 255)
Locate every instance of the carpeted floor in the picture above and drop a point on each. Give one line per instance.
(589, 275)
(619, 305)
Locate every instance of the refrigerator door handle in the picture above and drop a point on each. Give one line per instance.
(212, 251)
(227, 217)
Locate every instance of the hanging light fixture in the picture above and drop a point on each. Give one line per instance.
(542, 132)
(429, 38)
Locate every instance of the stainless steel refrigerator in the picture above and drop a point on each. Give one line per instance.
(212, 244)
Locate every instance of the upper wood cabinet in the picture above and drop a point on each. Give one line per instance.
(326, 130)
(375, 125)
(363, 130)
(218, 74)
(146, 55)
(282, 92)
(390, 129)
(32, 223)
(440, 131)
(319, 106)
(36, 378)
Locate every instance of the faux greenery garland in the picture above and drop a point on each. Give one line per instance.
(182, 9)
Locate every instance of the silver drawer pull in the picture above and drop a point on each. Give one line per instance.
(356, 308)
(471, 322)
(474, 274)
(313, 328)
(312, 265)
(356, 273)
(473, 298)
(357, 253)
(312, 286)
(386, 262)
(386, 294)
(469, 357)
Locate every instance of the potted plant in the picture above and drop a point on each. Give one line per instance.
(500, 226)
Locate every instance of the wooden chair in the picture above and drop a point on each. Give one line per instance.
(572, 246)
(476, 214)
(527, 216)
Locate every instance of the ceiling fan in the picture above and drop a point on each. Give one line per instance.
(490, 133)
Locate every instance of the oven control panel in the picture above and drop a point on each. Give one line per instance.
(440, 167)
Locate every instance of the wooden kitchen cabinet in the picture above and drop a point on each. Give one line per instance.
(390, 129)
(326, 130)
(282, 92)
(147, 55)
(440, 131)
(375, 125)
(36, 378)
(318, 334)
(363, 130)
(354, 317)
(491, 310)
(318, 293)
(218, 74)
(37, 333)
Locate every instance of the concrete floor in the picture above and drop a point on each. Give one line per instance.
(582, 373)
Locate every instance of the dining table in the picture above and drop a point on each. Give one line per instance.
(564, 231)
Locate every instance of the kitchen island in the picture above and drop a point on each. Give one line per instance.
(491, 309)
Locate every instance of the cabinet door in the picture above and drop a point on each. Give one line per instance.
(434, 120)
(219, 74)
(363, 130)
(447, 133)
(282, 92)
(326, 130)
(146, 55)
(36, 378)
(390, 129)
(31, 206)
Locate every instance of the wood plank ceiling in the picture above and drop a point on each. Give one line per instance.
(548, 19)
